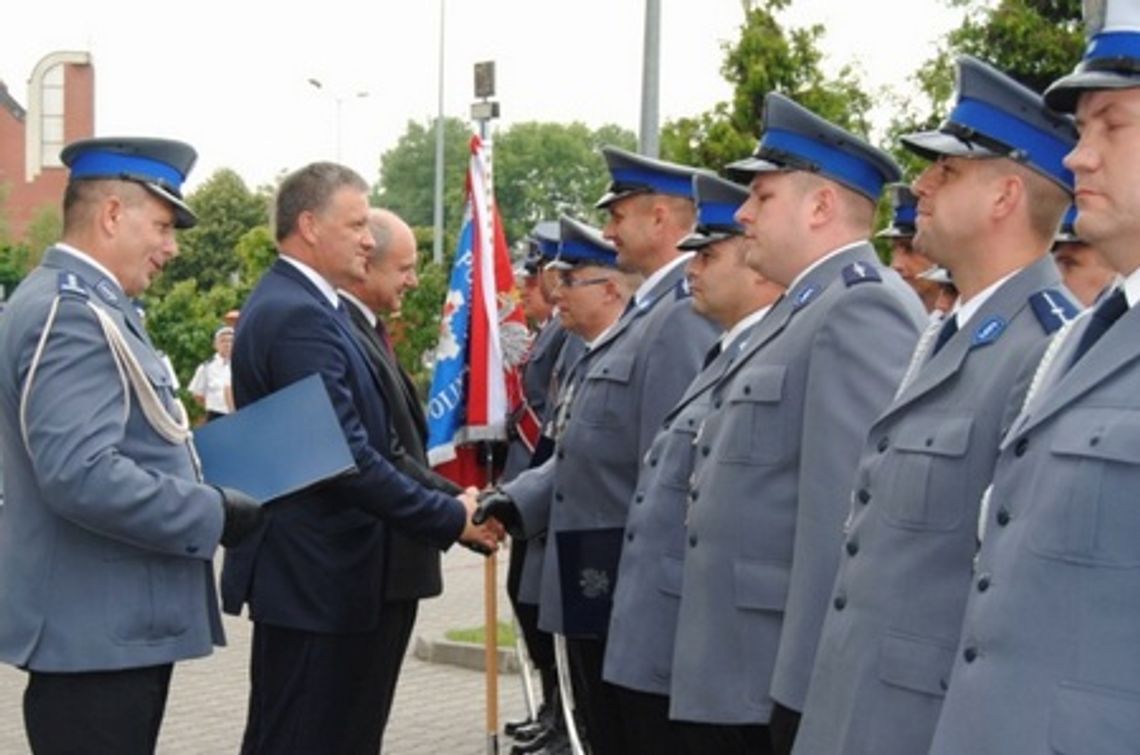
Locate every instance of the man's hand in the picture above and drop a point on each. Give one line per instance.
(242, 513)
(482, 537)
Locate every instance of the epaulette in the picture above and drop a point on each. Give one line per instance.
(1053, 309)
(682, 290)
(860, 272)
(71, 284)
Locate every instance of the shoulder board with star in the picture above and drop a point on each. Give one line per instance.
(860, 272)
(1052, 308)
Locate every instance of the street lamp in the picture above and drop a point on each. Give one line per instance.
(339, 99)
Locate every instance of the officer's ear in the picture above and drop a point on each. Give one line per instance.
(308, 226)
(1010, 190)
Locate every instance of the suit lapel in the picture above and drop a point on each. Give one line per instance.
(1002, 306)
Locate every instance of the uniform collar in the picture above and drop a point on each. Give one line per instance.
(89, 260)
(963, 311)
(647, 286)
(807, 270)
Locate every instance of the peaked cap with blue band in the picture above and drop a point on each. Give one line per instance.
(903, 208)
(794, 138)
(542, 245)
(636, 174)
(717, 202)
(994, 116)
(161, 165)
(1112, 55)
(582, 244)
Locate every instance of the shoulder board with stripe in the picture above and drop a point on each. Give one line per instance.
(71, 284)
(1053, 309)
(860, 272)
(682, 290)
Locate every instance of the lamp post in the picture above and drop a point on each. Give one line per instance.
(339, 100)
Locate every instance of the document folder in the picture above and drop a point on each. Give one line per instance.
(588, 566)
(277, 445)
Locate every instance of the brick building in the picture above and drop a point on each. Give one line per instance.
(60, 109)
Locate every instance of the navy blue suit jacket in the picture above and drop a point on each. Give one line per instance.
(317, 562)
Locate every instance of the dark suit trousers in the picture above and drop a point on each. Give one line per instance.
(724, 739)
(96, 713)
(313, 692)
(595, 699)
(396, 625)
(645, 725)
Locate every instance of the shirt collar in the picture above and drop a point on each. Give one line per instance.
(88, 259)
(804, 273)
(658, 275)
(364, 310)
(963, 311)
(315, 278)
(748, 321)
(1131, 287)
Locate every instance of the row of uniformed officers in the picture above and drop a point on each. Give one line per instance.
(788, 510)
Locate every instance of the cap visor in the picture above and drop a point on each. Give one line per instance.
(934, 144)
(1062, 94)
(894, 233)
(184, 217)
(695, 241)
(935, 274)
(612, 196)
(743, 170)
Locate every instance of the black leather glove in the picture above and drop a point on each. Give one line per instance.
(496, 504)
(243, 514)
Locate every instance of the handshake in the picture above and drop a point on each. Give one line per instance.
(490, 515)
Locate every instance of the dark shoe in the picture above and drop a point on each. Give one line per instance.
(529, 733)
(511, 727)
(558, 745)
(535, 745)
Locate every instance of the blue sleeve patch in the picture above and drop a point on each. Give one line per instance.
(988, 331)
(860, 272)
(71, 284)
(1053, 309)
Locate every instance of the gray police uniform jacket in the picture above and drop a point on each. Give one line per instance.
(536, 378)
(1048, 661)
(771, 480)
(530, 581)
(106, 540)
(888, 641)
(623, 388)
(639, 647)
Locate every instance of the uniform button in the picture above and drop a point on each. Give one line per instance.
(983, 583)
(970, 654)
(884, 444)
(639, 498)
(629, 537)
(192, 549)
(692, 541)
(705, 450)
(852, 547)
(942, 685)
(561, 454)
(864, 496)
(747, 390)
(558, 496)
(840, 602)
(666, 425)
(1094, 441)
(929, 442)
(1021, 447)
(716, 404)
(1003, 517)
(653, 461)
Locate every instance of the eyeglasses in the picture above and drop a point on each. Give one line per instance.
(566, 279)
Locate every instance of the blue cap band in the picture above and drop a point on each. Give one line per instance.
(580, 251)
(547, 248)
(99, 164)
(850, 170)
(659, 183)
(905, 214)
(717, 215)
(1113, 44)
(1043, 149)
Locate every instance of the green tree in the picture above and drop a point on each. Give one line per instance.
(766, 58)
(44, 229)
(1033, 41)
(182, 321)
(545, 169)
(226, 210)
(407, 174)
(256, 251)
(416, 328)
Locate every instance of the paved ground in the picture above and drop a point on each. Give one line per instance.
(438, 709)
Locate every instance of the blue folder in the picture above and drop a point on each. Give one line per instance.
(588, 566)
(284, 442)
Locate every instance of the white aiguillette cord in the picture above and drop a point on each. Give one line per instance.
(918, 356)
(174, 430)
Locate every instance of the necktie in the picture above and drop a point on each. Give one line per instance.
(1102, 318)
(712, 354)
(385, 340)
(949, 328)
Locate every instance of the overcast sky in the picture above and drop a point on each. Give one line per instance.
(231, 77)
